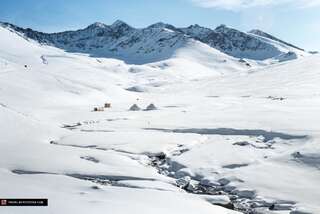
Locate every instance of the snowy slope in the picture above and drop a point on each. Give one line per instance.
(160, 41)
(35, 103)
(244, 137)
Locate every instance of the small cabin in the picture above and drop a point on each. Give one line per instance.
(107, 105)
(98, 109)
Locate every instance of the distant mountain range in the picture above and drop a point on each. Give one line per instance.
(160, 40)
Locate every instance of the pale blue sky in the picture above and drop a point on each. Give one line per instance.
(296, 21)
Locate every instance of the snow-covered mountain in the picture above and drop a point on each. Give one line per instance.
(240, 44)
(223, 135)
(160, 41)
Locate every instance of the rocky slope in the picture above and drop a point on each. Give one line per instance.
(160, 41)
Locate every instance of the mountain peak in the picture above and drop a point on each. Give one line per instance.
(256, 31)
(198, 27)
(97, 25)
(222, 28)
(261, 33)
(119, 23)
(194, 26)
(158, 24)
(162, 25)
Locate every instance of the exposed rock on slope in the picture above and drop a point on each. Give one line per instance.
(160, 41)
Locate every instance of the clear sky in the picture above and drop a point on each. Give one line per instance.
(296, 21)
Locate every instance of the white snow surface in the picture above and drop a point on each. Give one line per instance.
(207, 104)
